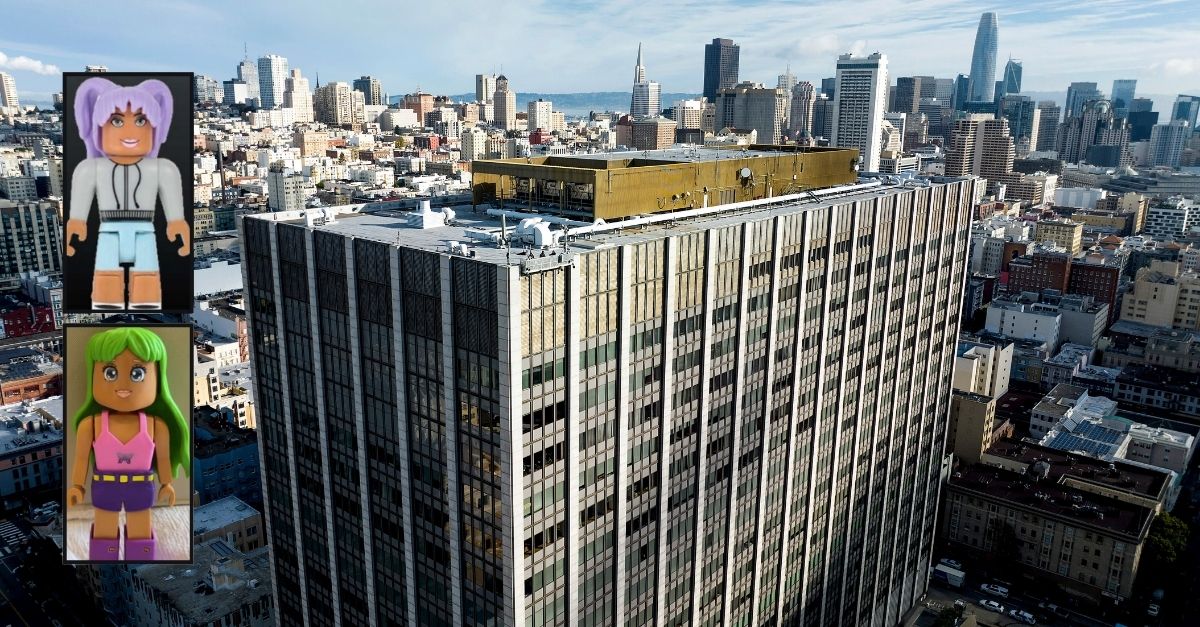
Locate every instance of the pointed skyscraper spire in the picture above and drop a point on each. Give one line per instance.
(639, 74)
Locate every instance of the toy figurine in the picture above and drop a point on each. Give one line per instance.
(123, 128)
(128, 424)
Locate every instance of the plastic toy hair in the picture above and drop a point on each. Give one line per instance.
(146, 345)
(97, 98)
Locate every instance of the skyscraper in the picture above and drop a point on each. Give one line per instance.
(1012, 78)
(272, 72)
(298, 96)
(962, 92)
(1122, 95)
(371, 88)
(910, 90)
(983, 146)
(749, 105)
(787, 81)
(1077, 94)
(247, 72)
(506, 104)
(539, 114)
(485, 87)
(702, 422)
(1167, 142)
(858, 106)
(8, 92)
(1187, 108)
(1049, 115)
(800, 117)
(720, 66)
(983, 60)
(336, 104)
(1024, 121)
(646, 100)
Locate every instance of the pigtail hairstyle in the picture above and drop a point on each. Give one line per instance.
(97, 98)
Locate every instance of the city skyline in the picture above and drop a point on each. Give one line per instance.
(1043, 35)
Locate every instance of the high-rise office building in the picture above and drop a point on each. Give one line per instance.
(689, 114)
(943, 89)
(1123, 90)
(420, 103)
(298, 96)
(206, 89)
(983, 60)
(505, 101)
(337, 104)
(371, 88)
(247, 72)
(829, 86)
(909, 92)
(1187, 108)
(749, 106)
(1024, 120)
(1011, 83)
(1141, 123)
(858, 106)
(713, 422)
(800, 117)
(646, 101)
(272, 72)
(1080, 138)
(1167, 142)
(539, 114)
(485, 87)
(720, 66)
(1048, 117)
(787, 82)
(1141, 105)
(30, 239)
(962, 92)
(8, 92)
(285, 189)
(1077, 94)
(981, 145)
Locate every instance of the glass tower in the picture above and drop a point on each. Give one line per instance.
(983, 60)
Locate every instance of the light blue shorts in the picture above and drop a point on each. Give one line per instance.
(127, 242)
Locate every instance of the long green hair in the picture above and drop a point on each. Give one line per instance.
(147, 346)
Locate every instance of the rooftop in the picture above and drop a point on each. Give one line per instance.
(1070, 355)
(1053, 481)
(213, 435)
(220, 581)
(25, 363)
(30, 425)
(542, 241)
(1161, 378)
(1090, 437)
(220, 514)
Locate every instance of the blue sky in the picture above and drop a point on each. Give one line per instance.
(591, 45)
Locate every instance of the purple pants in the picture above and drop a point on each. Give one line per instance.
(111, 496)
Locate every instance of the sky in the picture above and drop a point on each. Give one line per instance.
(564, 46)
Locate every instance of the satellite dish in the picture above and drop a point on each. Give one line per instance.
(744, 173)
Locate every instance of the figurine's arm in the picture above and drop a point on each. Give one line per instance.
(83, 451)
(170, 190)
(83, 191)
(162, 458)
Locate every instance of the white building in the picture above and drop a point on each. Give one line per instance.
(298, 96)
(285, 191)
(473, 144)
(1167, 142)
(859, 100)
(1078, 197)
(539, 114)
(1068, 401)
(8, 93)
(485, 87)
(982, 369)
(647, 94)
(1026, 321)
(272, 72)
(1172, 219)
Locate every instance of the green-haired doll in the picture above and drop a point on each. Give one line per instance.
(128, 426)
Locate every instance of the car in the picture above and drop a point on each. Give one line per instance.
(992, 605)
(1023, 616)
(955, 564)
(994, 590)
(1152, 610)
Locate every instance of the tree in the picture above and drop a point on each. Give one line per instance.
(1167, 540)
(401, 142)
(948, 617)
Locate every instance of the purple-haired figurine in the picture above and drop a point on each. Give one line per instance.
(123, 128)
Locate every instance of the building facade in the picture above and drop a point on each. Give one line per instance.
(648, 428)
(720, 66)
(858, 104)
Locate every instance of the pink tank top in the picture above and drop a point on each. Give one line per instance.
(113, 455)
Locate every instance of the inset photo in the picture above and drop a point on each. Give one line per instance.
(128, 444)
(127, 148)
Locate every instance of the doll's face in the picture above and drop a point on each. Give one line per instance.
(126, 134)
(125, 383)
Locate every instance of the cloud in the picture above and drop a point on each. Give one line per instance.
(23, 63)
(1180, 67)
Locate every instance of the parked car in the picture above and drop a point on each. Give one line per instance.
(994, 590)
(992, 605)
(951, 563)
(1023, 616)
(1152, 610)
(1055, 610)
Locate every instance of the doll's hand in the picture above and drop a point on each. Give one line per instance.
(74, 496)
(75, 229)
(166, 493)
(179, 229)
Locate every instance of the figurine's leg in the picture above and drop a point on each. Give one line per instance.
(105, 543)
(145, 284)
(108, 281)
(139, 536)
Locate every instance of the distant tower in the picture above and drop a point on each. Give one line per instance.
(983, 61)
(506, 104)
(647, 95)
(1012, 78)
(485, 87)
(8, 92)
(858, 104)
(1122, 95)
(800, 116)
(247, 72)
(272, 72)
(371, 89)
(720, 66)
